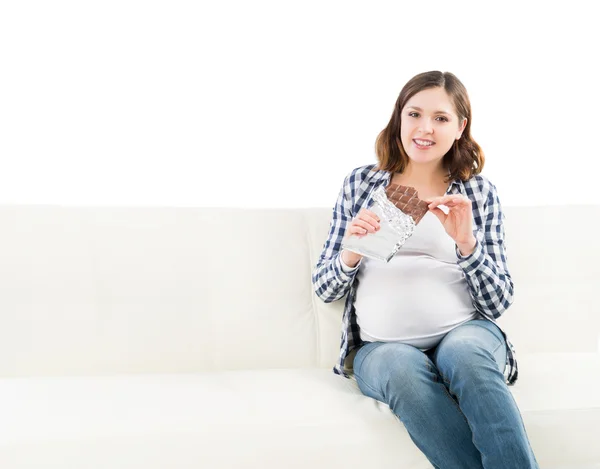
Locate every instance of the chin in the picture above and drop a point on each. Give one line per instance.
(420, 159)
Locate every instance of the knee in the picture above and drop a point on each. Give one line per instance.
(465, 354)
(400, 369)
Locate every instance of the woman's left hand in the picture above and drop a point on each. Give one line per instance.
(458, 223)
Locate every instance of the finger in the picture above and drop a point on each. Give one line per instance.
(449, 200)
(459, 199)
(368, 216)
(440, 214)
(368, 226)
(440, 208)
(437, 203)
(458, 204)
(431, 200)
(358, 231)
(371, 222)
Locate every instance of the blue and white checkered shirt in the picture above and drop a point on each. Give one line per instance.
(486, 272)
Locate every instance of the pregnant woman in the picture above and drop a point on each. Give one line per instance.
(419, 332)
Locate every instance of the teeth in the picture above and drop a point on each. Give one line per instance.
(423, 143)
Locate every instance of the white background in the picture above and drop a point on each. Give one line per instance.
(271, 104)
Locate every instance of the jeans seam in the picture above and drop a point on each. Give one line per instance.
(356, 375)
(367, 385)
(368, 353)
(427, 360)
(457, 407)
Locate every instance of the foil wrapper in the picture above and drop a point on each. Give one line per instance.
(396, 228)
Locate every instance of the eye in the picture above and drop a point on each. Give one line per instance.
(444, 119)
(413, 114)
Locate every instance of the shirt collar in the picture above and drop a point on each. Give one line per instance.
(459, 185)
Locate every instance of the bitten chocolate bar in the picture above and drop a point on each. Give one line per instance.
(399, 212)
(407, 199)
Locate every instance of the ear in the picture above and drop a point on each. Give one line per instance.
(461, 128)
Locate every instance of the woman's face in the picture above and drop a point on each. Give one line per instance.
(429, 126)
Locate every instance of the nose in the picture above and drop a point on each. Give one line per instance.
(425, 125)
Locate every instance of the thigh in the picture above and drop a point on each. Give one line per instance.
(376, 363)
(472, 343)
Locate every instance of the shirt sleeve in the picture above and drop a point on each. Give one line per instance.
(329, 279)
(486, 269)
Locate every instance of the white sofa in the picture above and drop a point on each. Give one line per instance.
(192, 338)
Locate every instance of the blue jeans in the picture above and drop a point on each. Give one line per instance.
(452, 399)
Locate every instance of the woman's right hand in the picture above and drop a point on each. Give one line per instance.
(364, 223)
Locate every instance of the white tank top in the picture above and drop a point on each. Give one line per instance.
(419, 296)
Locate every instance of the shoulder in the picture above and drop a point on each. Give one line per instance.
(484, 195)
(479, 184)
(359, 182)
(481, 190)
(358, 185)
(366, 173)
(363, 178)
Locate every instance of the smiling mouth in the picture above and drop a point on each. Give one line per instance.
(423, 143)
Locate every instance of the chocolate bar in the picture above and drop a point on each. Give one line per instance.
(406, 198)
(399, 214)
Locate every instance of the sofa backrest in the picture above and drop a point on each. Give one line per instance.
(132, 290)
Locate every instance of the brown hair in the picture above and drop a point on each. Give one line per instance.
(464, 159)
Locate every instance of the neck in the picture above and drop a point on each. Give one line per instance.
(424, 175)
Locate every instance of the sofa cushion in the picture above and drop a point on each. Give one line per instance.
(267, 418)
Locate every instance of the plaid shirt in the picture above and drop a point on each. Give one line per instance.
(490, 285)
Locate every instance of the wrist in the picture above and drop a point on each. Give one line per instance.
(350, 258)
(468, 247)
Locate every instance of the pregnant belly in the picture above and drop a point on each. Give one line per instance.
(416, 305)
